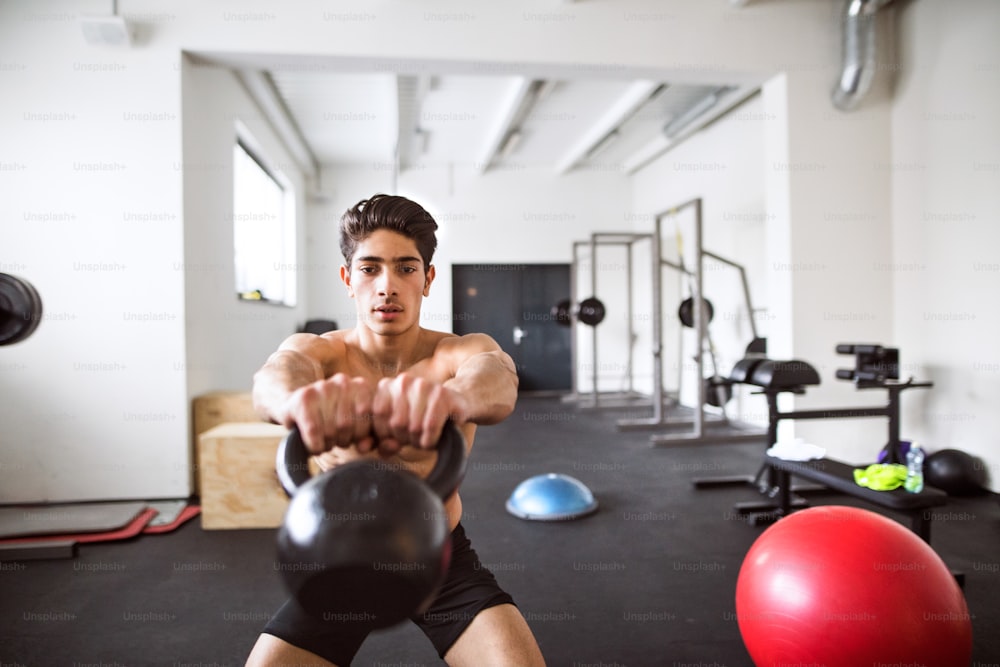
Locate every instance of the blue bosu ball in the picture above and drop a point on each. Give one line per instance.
(551, 497)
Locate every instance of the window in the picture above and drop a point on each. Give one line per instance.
(263, 230)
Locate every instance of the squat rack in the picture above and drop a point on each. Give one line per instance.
(659, 418)
(626, 240)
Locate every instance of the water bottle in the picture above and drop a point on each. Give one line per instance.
(914, 469)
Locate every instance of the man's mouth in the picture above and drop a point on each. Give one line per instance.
(388, 308)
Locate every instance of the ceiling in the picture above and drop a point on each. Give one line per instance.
(401, 115)
(491, 121)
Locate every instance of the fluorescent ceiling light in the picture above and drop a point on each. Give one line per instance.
(677, 125)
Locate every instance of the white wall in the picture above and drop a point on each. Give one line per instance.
(945, 177)
(827, 237)
(227, 339)
(93, 405)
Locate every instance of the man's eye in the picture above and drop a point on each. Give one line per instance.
(368, 269)
(408, 269)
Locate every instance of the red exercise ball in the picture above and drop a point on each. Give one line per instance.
(844, 587)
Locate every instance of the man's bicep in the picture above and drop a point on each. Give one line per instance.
(486, 361)
(478, 348)
(486, 380)
(477, 343)
(504, 360)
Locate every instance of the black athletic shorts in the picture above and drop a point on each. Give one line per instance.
(468, 589)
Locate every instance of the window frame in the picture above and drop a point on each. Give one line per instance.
(283, 260)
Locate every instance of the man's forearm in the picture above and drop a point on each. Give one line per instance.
(284, 372)
(488, 383)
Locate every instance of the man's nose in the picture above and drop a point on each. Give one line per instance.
(385, 284)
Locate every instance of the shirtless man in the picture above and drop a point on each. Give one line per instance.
(385, 389)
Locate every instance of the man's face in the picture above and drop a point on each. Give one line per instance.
(388, 281)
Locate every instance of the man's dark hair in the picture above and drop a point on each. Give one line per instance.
(392, 212)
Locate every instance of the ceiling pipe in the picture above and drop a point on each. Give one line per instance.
(635, 97)
(262, 90)
(859, 53)
(507, 122)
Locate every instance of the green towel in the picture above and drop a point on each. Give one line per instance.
(881, 476)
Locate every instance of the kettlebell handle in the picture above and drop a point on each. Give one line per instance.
(292, 462)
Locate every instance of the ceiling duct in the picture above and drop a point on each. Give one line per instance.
(412, 139)
(859, 52)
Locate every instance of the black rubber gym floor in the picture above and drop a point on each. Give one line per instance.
(647, 580)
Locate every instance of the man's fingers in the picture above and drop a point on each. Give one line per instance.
(392, 409)
(388, 446)
(305, 412)
(419, 398)
(334, 412)
(382, 403)
(363, 402)
(436, 413)
(412, 411)
(396, 412)
(366, 444)
(339, 402)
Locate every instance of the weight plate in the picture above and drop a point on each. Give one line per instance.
(20, 309)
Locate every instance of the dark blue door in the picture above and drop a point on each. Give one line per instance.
(513, 303)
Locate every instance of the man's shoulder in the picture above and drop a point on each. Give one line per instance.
(453, 350)
(309, 341)
(327, 349)
(338, 337)
(470, 343)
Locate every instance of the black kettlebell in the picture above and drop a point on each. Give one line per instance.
(367, 542)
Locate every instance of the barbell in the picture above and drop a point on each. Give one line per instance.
(590, 311)
(20, 309)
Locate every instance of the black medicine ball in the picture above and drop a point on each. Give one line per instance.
(955, 472)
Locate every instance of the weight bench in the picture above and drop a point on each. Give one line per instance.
(773, 377)
(876, 368)
(839, 476)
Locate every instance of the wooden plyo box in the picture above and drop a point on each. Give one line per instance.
(214, 408)
(222, 407)
(239, 487)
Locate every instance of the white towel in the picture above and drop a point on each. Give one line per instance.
(798, 450)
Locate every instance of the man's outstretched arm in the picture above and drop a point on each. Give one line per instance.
(296, 363)
(486, 379)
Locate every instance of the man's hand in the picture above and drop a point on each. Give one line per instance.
(335, 412)
(412, 411)
(341, 411)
